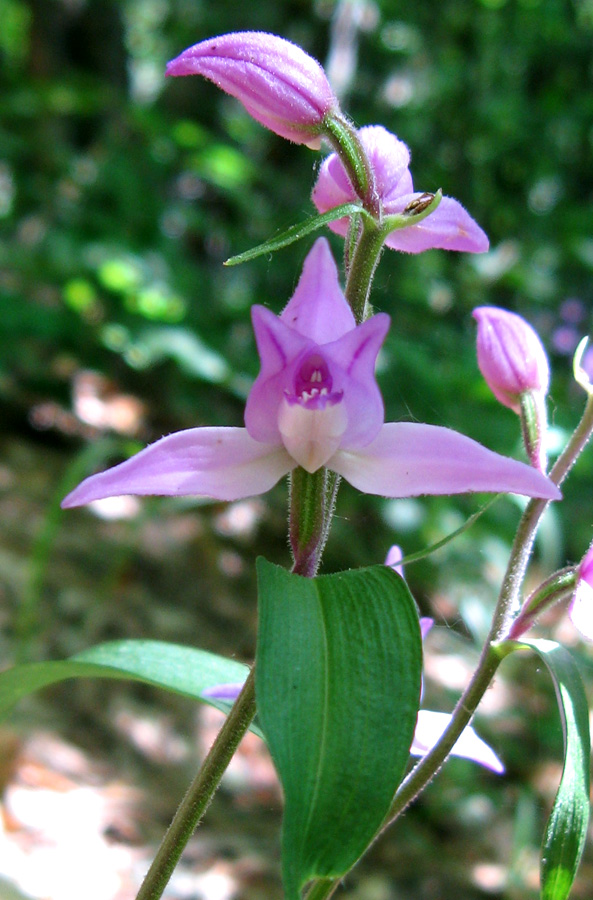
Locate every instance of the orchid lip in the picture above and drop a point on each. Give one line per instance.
(316, 398)
(312, 426)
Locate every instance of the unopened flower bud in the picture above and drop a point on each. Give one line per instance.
(558, 587)
(510, 355)
(280, 85)
(514, 363)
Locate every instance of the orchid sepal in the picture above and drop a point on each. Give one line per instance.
(220, 463)
(408, 459)
(430, 726)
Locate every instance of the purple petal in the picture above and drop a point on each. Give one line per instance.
(389, 158)
(408, 459)
(393, 560)
(279, 347)
(352, 361)
(449, 227)
(426, 624)
(586, 567)
(431, 725)
(332, 189)
(224, 463)
(223, 691)
(318, 308)
(280, 85)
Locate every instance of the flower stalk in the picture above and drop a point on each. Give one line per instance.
(309, 518)
(200, 793)
(345, 140)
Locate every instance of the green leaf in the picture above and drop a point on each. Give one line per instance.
(183, 670)
(295, 233)
(338, 672)
(566, 831)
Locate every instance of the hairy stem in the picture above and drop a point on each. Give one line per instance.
(200, 793)
(362, 268)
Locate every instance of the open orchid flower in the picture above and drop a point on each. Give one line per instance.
(449, 227)
(431, 725)
(315, 403)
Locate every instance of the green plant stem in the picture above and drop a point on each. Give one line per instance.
(506, 611)
(576, 444)
(200, 793)
(364, 261)
(344, 138)
(311, 507)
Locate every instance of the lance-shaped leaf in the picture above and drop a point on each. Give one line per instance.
(183, 670)
(295, 233)
(566, 831)
(338, 685)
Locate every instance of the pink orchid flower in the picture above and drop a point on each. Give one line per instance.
(449, 227)
(280, 86)
(315, 403)
(431, 725)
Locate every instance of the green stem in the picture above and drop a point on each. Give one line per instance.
(576, 444)
(362, 267)
(311, 505)
(200, 793)
(344, 138)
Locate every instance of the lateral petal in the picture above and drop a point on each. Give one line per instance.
(278, 347)
(407, 459)
(223, 463)
(353, 358)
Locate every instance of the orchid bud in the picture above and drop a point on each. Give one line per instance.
(514, 363)
(560, 586)
(280, 85)
(580, 610)
(510, 355)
